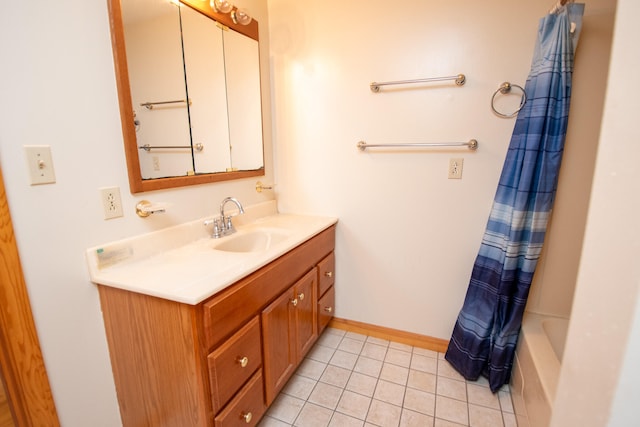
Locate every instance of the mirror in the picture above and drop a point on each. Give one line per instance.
(189, 92)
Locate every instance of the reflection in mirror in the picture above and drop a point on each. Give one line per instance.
(158, 92)
(189, 91)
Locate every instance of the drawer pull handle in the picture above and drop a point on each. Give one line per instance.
(329, 273)
(328, 309)
(247, 417)
(243, 361)
(301, 296)
(294, 302)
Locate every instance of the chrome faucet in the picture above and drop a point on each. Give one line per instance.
(223, 226)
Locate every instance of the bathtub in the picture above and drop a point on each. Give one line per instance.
(536, 368)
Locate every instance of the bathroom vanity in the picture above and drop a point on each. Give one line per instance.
(185, 356)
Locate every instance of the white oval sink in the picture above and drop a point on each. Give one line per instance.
(252, 241)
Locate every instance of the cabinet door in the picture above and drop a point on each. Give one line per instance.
(278, 335)
(305, 313)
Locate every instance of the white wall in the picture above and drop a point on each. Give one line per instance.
(407, 236)
(58, 88)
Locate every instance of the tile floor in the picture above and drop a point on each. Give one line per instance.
(349, 379)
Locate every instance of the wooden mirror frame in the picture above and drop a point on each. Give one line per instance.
(136, 183)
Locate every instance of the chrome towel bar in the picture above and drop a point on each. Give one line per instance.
(150, 105)
(147, 147)
(460, 79)
(472, 144)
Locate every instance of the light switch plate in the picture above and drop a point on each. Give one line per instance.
(40, 164)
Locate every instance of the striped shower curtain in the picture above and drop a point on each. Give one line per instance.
(487, 328)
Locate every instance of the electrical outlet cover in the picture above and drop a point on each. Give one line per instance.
(111, 202)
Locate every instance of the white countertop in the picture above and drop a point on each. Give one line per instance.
(180, 263)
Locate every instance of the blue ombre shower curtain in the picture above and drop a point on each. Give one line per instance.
(487, 328)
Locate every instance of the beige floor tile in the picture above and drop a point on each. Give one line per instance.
(354, 405)
(389, 392)
(343, 359)
(311, 369)
(383, 414)
(452, 388)
(362, 384)
(415, 419)
(350, 345)
(356, 336)
(480, 416)
(482, 396)
(330, 340)
(506, 404)
(325, 395)
(398, 357)
(334, 331)
(285, 408)
(394, 373)
(509, 420)
(374, 351)
(342, 420)
(438, 422)
(425, 352)
(424, 364)
(452, 410)
(446, 370)
(336, 376)
(420, 401)
(387, 384)
(321, 353)
(272, 422)
(400, 346)
(313, 416)
(300, 387)
(423, 381)
(378, 341)
(367, 366)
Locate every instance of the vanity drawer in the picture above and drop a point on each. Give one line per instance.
(231, 364)
(326, 273)
(246, 408)
(326, 308)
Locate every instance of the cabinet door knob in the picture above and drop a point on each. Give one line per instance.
(328, 273)
(328, 309)
(301, 296)
(294, 302)
(243, 361)
(247, 417)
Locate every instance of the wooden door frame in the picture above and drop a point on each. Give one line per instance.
(25, 377)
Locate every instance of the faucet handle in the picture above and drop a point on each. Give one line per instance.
(216, 232)
(229, 225)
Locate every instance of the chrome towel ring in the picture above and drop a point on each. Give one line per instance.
(504, 89)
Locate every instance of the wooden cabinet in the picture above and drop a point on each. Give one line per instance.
(289, 330)
(221, 362)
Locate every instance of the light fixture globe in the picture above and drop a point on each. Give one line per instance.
(221, 6)
(240, 16)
